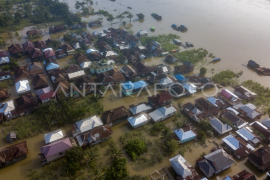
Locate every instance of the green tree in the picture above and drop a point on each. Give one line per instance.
(203, 71)
(157, 128)
(118, 169)
(110, 19)
(130, 16)
(170, 146)
(140, 16)
(135, 148)
(113, 151)
(120, 17)
(202, 136)
(73, 160)
(91, 155)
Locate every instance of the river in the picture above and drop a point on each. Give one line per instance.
(234, 30)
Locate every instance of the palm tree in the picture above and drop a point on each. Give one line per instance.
(91, 155)
(130, 16)
(113, 151)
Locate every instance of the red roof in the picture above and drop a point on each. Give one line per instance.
(47, 95)
(49, 53)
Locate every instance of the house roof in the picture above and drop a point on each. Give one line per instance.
(39, 81)
(261, 157)
(33, 32)
(5, 73)
(4, 93)
(162, 112)
(158, 99)
(140, 108)
(56, 147)
(49, 53)
(244, 175)
(138, 119)
(73, 68)
(40, 44)
(132, 86)
(10, 153)
(143, 68)
(206, 105)
(219, 126)
(35, 53)
(185, 133)
(67, 47)
(75, 74)
(88, 123)
(214, 101)
(22, 86)
(229, 95)
(129, 71)
(3, 54)
(35, 68)
(4, 60)
(235, 144)
(60, 52)
(53, 136)
(179, 165)
(25, 103)
(179, 77)
(116, 75)
(21, 73)
(7, 107)
(261, 128)
(244, 91)
(15, 48)
(28, 46)
(113, 115)
(190, 88)
(235, 120)
(52, 66)
(266, 122)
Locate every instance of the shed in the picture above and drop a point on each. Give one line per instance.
(11, 137)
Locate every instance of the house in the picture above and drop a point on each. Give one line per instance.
(266, 122)
(58, 76)
(142, 107)
(187, 67)
(105, 79)
(57, 28)
(248, 136)
(25, 104)
(261, 158)
(49, 54)
(142, 33)
(193, 112)
(21, 73)
(86, 124)
(45, 94)
(101, 66)
(162, 69)
(94, 23)
(129, 72)
(117, 76)
(170, 59)
(63, 86)
(139, 120)
(4, 60)
(244, 93)
(143, 69)
(184, 134)
(115, 116)
(8, 110)
(15, 50)
(36, 54)
(95, 136)
(40, 45)
(89, 84)
(3, 54)
(68, 49)
(5, 75)
(4, 93)
(39, 81)
(215, 162)
(177, 91)
(219, 127)
(84, 62)
(203, 105)
(252, 64)
(233, 120)
(159, 100)
(167, 82)
(35, 69)
(27, 46)
(190, 88)
(60, 53)
(162, 113)
(243, 175)
(55, 150)
(237, 146)
(130, 88)
(11, 136)
(22, 86)
(33, 32)
(229, 98)
(204, 83)
(74, 71)
(12, 154)
(248, 111)
(218, 103)
(53, 136)
(154, 78)
(183, 169)
(181, 78)
(261, 130)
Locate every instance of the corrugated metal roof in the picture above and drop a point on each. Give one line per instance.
(162, 112)
(184, 135)
(219, 126)
(76, 74)
(140, 108)
(22, 86)
(137, 120)
(53, 136)
(178, 164)
(245, 134)
(89, 123)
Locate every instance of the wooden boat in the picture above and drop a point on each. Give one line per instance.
(216, 59)
(156, 16)
(174, 51)
(182, 28)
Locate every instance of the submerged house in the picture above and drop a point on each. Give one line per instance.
(248, 136)
(243, 175)
(261, 158)
(184, 134)
(143, 69)
(244, 93)
(248, 111)
(187, 67)
(101, 66)
(159, 100)
(129, 72)
(68, 49)
(139, 120)
(203, 105)
(114, 116)
(15, 50)
(215, 162)
(8, 110)
(229, 98)
(12, 154)
(261, 130)
(53, 136)
(219, 127)
(25, 104)
(193, 112)
(5, 75)
(163, 113)
(233, 120)
(142, 107)
(130, 88)
(218, 103)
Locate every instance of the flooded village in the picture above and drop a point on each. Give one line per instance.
(164, 99)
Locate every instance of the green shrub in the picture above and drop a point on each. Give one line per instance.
(135, 148)
(157, 128)
(226, 78)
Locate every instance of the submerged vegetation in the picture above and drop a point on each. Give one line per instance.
(227, 77)
(194, 56)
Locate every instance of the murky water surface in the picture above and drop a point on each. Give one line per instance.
(234, 30)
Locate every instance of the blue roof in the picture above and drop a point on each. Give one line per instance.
(184, 135)
(179, 77)
(232, 142)
(52, 66)
(137, 85)
(247, 134)
(228, 178)
(174, 25)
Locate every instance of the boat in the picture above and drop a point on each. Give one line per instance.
(174, 51)
(174, 26)
(216, 59)
(176, 41)
(164, 54)
(156, 16)
(188, 44)
(182, 28)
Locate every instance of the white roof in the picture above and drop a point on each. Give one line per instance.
(88, 123)
(53, 136)
(52, 66)
(4, 60)
(111, 53)
(233, 110)
(91, 51)
(166, 81)
(162, 112)
(85, 65)
(47, 49)
(22, 86)
(137, 120)
(184, 135)
(7, 107)
(234, 143)
(140, 108)
(76, 74)
(246, 133)
(219, 126)
(76, 46)
(179, 165)
(191, 89)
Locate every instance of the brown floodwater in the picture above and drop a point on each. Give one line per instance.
(233, 30)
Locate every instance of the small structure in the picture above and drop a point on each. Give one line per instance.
(5, 75)
(22, 86)
(94, 23)
(142, 107)
(163, 113)
(219, 127)
(244, 93)
(52, 67)
(143, 69)
(8, 110)
(142, 33)
(53, 136)
(68, 49)
(74, 71)
(187, 67)
(101, 66)
(215, 162)
(159, 100)
(35, 69)
(25, 104)
(248, 136)
(218, 103)
(243, 175)
(57, 28)
(45, 94)
(54, 150)
(60, 53)
(139, 120)
(12, 154)
(11, 137)
(181, 78)
(229, 98)
(248, 111)
(167, 82)
(130, 88)
(261, 158)
(239, 148)
(4, 60)
(33, 32)
(185, 134)
(252, 64)
(115, 116)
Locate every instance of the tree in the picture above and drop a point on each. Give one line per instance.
(12, 64)
(140, 16)
(204, 125)
(120, 17)
(113, 151)
(170, 146)
(110, 19)
(203, 71)
(202, 136)
(130, 16)
(118, 169)
(73, 158)
(157, 128)
(135, 148)
(91, 156)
